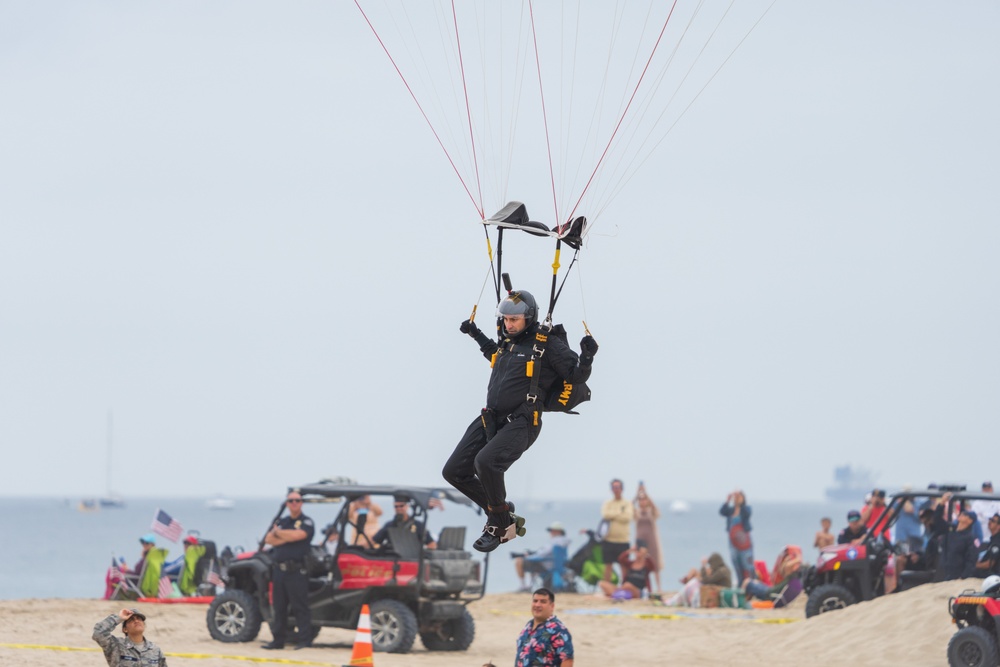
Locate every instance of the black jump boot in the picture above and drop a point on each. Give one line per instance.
(502, 525)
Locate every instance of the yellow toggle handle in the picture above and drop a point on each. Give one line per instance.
(555, 263)
(472, 317)
(585, 329)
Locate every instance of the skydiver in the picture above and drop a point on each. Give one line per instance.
(511, 420)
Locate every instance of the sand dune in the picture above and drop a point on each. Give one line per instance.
(911, 628)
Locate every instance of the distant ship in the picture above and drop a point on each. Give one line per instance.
(220, 503)
(680, 507)
(851, 484)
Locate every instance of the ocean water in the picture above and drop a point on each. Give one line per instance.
(56, 551)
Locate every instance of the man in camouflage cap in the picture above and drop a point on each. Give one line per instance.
(134, 648)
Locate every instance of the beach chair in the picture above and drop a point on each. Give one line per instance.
(124, 585)
(785, 579)
(188, 581)
(561, 578)
(149, 582)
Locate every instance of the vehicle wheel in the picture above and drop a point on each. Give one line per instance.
(234, 616)
(972, 647)
(455, 634)
(394, 626)
(828, 597)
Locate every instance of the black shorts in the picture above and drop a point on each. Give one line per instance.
(610, 551)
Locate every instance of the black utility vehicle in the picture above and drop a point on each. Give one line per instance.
(410, 589)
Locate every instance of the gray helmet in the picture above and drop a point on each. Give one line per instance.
(519, 303)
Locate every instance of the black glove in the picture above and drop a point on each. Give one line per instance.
(589, 347)
(469, 327)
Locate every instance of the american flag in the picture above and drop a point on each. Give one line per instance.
(213, 577)
(164, 524)
(166, 588)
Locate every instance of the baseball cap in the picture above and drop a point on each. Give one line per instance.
(555, 525)
(148, 538)
(135, 614)
(854, 515)
(987, 484)
(191, 539)
(970, 514)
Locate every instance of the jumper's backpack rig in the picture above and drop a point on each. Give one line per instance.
(563, 396)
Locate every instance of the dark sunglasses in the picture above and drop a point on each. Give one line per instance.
(294, 500)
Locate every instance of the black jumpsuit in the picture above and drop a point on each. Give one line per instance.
(477, 466)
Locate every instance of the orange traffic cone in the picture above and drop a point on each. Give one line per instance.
(362, 654)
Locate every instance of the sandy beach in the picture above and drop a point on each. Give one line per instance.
(911, 628)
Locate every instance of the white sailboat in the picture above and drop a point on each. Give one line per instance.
(109, 500)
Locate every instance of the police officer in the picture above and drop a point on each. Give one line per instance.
(989, 561)
(134, 649)
(958, 560)
(511, 421)
(290, 538)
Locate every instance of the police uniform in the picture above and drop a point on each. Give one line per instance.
(991, 555)
(477, 466)
(291, 581)
(382, 538)
(121, 652)
(847, 535)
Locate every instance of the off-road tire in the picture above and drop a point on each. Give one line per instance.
(233, 616)
(828, 597)
(455, 635)
(394, 626)
(973, 647)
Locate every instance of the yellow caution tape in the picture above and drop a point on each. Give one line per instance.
(193, 656)
(653, 616)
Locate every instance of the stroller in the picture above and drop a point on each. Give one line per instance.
(587, 564)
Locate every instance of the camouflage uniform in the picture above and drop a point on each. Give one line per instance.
(121, 652)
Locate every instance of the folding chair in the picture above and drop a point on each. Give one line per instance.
(127, 586)
(187, 582)
(149, 583)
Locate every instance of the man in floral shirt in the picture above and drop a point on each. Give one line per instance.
(545, 640)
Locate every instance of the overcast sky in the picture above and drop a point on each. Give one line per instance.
(228, 223)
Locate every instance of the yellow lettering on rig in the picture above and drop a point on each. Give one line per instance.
(565, 394)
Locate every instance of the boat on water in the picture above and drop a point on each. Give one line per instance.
(680, 507)
(110, 500)
(220, 503)
(851, 484)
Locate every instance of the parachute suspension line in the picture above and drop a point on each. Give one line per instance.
(625, 178)
(555, 293)
(499, 262)
(468, 111)
(625, 112)
(545, 120)
(489, 252)
(520, 62)
(479, 209)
